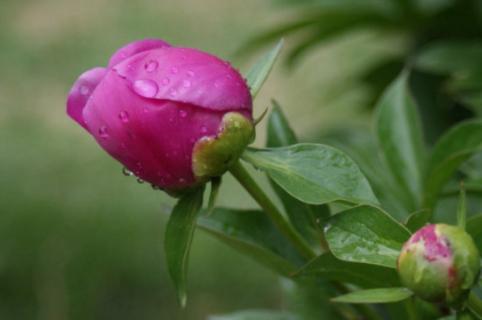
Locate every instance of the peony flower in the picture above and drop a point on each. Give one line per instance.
(439, 263)
(175, 117)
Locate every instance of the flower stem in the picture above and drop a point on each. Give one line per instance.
(245, 179)
(475, 304)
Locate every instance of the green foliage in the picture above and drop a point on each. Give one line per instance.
(252, 233)
(257, 75)
(313, 173)
(388, 295)
(256, 315)
(399, 134)
(306, 218)
(366, 234)
(326, 266)
(178, 239)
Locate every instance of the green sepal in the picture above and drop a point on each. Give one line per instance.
(213, 155)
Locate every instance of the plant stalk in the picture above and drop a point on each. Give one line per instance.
(245, 179)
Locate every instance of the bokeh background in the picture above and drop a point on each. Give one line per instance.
(78, 240)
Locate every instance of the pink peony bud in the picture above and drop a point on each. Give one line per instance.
(174, 116)
(439, 263)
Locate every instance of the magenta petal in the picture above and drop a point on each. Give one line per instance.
(188, 76)
(82, 89)
(134, 48)
(153, 138)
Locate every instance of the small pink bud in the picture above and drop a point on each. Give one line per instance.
(154, 103)
(439, 263)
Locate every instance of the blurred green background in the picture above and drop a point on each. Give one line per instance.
(78, 240)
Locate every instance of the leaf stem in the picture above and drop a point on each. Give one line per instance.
(475, 304)
(245, 179)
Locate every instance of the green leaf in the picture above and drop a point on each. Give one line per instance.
(384, 295)
(474, 228)
(313, 173)
(256, 315)
(252, 233)
(400, 137)
(260, 71)
(303, 216)
(366, 234)
(326, 266)
(453, 148)
(417, 220)
(462, 208)
(280, 133)
(450, 56)
(178, 238)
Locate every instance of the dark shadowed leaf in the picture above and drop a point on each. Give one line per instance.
(366, 234)
(455, 146)
(326, 266)
(178, 238)
(400, 137)
(417, 220)
(252, 233)
(450, 56)
(474, 228)
(384, 295)
(313, 173)
(260, 71)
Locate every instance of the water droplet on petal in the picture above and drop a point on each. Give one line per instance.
(182, 113)
(165, 81)
(127, 172)
(84, 90)
(171, 119)
(217, 83)
(103, 132)
(151, 66)
(182, 180)
(186, 83)
(174, 70)
(190, 73)
(204, 129)
(145, 88)
(139, 180)
(124, 116)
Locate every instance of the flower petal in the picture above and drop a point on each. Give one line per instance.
(134, 48)
(152, 138)
(82, 89)
(187, 76)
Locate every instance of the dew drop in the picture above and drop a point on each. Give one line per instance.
(182, 113)
(145, 88)
(190, 73)
(171, 119)
(165, 81)
(139, 180)
(174, 70)
(127, 172)
(103, 132)
(124, 116)
(84, 90)
(151, 66)
(145, 110)
(186, 83)
(217, 83)
(204, 129)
